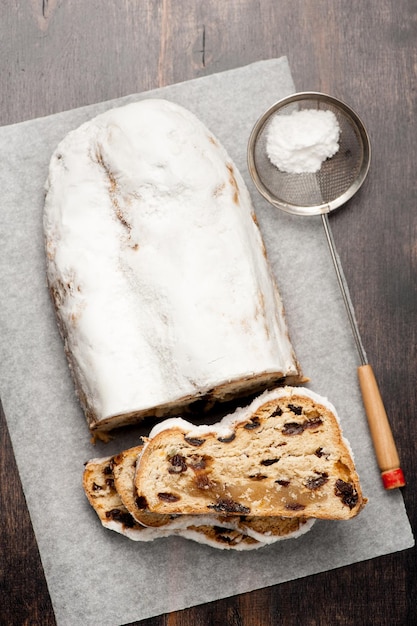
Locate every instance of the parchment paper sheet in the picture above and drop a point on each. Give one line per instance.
(95, 576)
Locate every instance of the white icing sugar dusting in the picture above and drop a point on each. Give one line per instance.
(135, 533)
(156, 264)
(301, 141)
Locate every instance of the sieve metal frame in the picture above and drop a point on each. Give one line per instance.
(356, 124)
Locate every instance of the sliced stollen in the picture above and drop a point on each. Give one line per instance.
(263, 529)
(98, 483)
(283, 455)
(157, 269)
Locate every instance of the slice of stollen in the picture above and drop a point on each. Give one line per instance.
(283, 455)
(124, 469)
(264, 529)
(98, 482)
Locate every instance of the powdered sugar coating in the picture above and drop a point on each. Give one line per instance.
(156, 266)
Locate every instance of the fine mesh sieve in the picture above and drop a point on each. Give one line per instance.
(319, 193)
(339, 177)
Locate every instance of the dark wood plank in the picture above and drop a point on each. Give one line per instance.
(24, 597)
(58, 55)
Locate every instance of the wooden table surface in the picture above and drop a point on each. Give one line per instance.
(60, 54)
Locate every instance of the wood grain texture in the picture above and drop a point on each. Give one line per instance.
(60, 54)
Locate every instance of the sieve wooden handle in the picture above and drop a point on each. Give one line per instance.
(383, 440)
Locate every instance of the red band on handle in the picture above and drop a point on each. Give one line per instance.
(393, 478)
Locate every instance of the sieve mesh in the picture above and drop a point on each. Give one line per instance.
(338, 178)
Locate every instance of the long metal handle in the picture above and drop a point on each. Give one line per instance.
(341, 281)
(383, 440)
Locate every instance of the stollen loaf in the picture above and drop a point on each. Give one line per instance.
(157, 269)
(283, 455)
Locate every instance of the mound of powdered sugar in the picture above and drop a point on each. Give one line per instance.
(300, 142)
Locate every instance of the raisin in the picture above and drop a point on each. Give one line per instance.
(227, 505)
(320, 452)
(277, 412)
(296, 409)
(110, 482)
(295, 506)
(347, 493)
(283, 483)
(227, 439)
(168, 497)
(194, 441)
(97, 487)
(254, 423)
(313, 423)
(120, 516)
(293, 428)
(141, 503)
(108, 470)
(178, 464)
(267, 462)
(315, 482)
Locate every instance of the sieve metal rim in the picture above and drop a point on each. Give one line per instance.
(355, 122)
